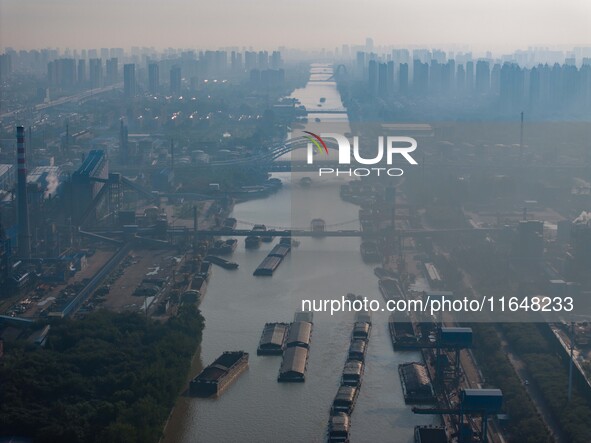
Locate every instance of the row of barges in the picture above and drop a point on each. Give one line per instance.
(339, 422)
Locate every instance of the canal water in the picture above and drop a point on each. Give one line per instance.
(256, 408)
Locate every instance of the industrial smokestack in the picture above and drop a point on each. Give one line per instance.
(24, 236)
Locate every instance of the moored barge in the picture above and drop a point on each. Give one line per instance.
(416, 384)
(222, 262)
(273, 339)
(219, 374)
(339, 425)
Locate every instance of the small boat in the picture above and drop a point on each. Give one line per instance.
(305, 182)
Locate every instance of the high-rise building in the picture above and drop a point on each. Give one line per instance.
(469, 76)
(129, 82)
(112, 71)
(175, 80)
(403, 78)
(153, 78)
(373, 76)
(420, 77)
(81, 71)
(482, 81)
(383, 80)
(95, 72)
(360, 64)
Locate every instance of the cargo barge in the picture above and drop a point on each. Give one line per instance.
(222, 262)
(220, 374)
(361, 330)
(339, 426)
(205, 270)
(402, 332)
(272, 261)
(223, 247)
(345, 399)
(430, 434)
(294, 365)
(297, 348)
(416, 383)
(273, 339)
(357, 350)
(352, 373)
(390, 289)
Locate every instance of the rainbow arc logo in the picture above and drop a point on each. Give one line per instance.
(317, 141)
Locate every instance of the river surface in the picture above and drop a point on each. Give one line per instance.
(256, 408)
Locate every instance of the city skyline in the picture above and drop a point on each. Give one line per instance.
(502, 26)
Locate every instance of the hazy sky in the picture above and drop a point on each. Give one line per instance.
(499, 25)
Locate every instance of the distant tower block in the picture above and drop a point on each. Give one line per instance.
(24, 236)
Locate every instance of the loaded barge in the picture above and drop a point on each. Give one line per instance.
(297, 348)
(223, 247)
(338, 428)
(402, 332)
(273, 339)
(220, 374)
(272, 260)
(416, 383)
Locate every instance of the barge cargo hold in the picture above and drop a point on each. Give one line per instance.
(361, 330)
(300, 334)
(222, 262)
(345, 399)
(268, 266)
(303, 316)
(416, 384)
(390, 289)
(430, 434)
(273, 339)
(402, 333)
(357, 349)
(338, 428)
(272, 260)
(220, 374)
(352, 373)
(293, 365)
(223, 247)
